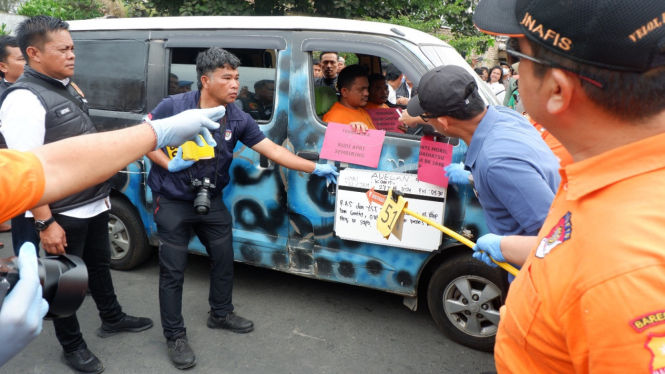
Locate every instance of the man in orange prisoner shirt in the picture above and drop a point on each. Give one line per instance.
(353, 88)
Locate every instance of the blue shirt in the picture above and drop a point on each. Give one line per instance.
(515, 173)
(239, 127)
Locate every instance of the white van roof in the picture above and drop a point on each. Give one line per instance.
(254, 23)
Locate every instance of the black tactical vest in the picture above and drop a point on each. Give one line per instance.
(66, 117)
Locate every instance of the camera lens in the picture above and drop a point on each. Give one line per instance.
(64, 282)
(202, 201)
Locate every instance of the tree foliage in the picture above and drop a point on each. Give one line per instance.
(64, 9)
(424, 15)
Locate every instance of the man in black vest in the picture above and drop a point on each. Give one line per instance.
(42, 107)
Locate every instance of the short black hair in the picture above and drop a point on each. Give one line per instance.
(392, 72)
(375, 77)
(212, 59)
(489, 74)
(628, 95)
(316, 62)
(475, 106)
(6, 41)
(171, 75)
(348, 75)
(479, 71)
(325, 53)
(262, 83)
(33, 32)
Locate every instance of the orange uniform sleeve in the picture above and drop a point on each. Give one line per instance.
(21, 182)
(618, 326)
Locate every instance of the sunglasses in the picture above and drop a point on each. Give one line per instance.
(426, 117)
(515, 55)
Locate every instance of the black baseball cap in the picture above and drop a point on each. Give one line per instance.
(441, 91)
(627, 35)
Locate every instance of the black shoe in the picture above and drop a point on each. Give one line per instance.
(82, 361)
(231, 322)
(180, 352)
(127, 323)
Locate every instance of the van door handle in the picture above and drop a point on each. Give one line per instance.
(309, 155)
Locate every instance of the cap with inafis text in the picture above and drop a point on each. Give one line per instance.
(442, 90)
(627, 35)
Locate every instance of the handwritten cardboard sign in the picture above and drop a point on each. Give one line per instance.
(343, 144)
(434, 156)
(386, 119)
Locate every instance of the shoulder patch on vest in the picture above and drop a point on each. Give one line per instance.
(655, 344)
(648, 320)
(559, 234)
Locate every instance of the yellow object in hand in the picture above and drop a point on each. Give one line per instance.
(192, 152)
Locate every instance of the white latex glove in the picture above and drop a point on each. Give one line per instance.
(176, 130)
(23, 309)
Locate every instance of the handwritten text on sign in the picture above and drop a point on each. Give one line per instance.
(386, 119)
(356, 219)
(434, 156)
(343, 144)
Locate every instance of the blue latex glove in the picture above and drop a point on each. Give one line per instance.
(327, 171)
(457, 174)
(23, 309)
(178, 163)
(176, 130)
(489, 244)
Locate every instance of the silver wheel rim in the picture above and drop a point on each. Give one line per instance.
(119, 238)
(472, 304)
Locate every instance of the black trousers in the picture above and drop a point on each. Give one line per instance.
(23, 231)
(88, 238)
(175, 219)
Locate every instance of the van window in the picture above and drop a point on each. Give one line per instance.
(382, 98)
(256, 94)
(110, 85)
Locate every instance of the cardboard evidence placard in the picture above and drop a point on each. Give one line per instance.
(356, 218)
(434, 156)
(343, 144)
(386, 119)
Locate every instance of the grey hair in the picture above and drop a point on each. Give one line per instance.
(212, 59)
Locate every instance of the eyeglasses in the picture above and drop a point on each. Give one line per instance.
(514, 56)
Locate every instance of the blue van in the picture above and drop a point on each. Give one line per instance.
(283, 219)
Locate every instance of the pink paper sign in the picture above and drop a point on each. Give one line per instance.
(343, 144)
(386, 119)
(434, 156)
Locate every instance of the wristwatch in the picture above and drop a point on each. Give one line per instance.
(43, 225)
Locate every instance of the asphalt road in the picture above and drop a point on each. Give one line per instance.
(301, 326)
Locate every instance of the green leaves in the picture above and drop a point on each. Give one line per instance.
(64, 9)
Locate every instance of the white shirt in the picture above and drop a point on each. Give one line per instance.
(392, 95)
(22, 124)
(499, 90)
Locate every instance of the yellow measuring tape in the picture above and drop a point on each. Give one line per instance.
(386, 226)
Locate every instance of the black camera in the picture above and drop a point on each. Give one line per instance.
(202, 201)
(64, 282)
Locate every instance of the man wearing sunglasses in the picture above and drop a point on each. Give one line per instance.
(515, 174)
(589, 296)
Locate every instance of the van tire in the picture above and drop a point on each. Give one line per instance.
(455, 298)
(129, 244)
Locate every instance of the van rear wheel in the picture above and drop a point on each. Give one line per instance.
(129, 244)
(464, 297)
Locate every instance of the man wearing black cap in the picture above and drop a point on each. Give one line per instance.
(514, 172)
(592, 72)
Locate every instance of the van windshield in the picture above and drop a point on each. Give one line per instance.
(445, 55)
